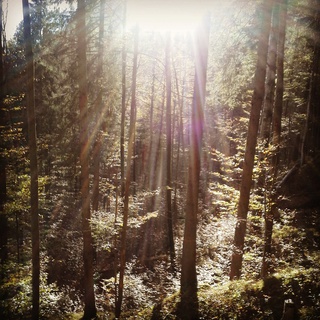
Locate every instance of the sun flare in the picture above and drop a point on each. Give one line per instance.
(165, 16)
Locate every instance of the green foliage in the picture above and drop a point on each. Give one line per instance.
(151, 289)
(233, 300)
(15, 294)
(103, 229)
(250, 299)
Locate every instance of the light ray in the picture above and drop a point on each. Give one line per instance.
(165, 16)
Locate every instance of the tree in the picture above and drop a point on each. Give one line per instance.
(169, 149)
(276, 124)
(89, 298)
(3, 173)
(189, 302)
(132, 130)
(256, 103)
(271, 77)
(32, 142)
(311, 139)
(123, 99)
(100, 121)
(276, 133)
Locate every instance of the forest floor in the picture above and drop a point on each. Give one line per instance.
(294, 276)
(294, 273)
(153, 292)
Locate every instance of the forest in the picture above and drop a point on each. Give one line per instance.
(160, 160)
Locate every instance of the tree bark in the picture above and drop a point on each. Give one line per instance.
(128, 175)
(32, 142)
(151, 153)
(3, 172)
(276, 125)
(257, 99)
(168, 154)
(89, 298)
(189, 302)
(269, 216)
(123, 100)
(271, 78)
(311, 140)
(100, 115)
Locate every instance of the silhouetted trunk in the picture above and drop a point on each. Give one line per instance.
(276, 125)
(89, 298)
(157, 158)
(3, 173)
(128, 175)
(32, 143)
(134, 161)
(189, 302)
(151, 153)
(169, 148)
(246, 182)
(311, 141)
(269, 216)
(99, 114)
(271, 77)
(179, 125)
(123, 100)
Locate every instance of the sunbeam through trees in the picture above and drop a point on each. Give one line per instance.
(160, 159)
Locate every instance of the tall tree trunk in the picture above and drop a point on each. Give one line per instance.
(257, 99)
(151, 142)
(169, 148)
(89, 298)
(189, 302)
(3, 172)
(32, 142)
(132, 130)
(100, 115)
(269, 216)
(311, 140)
(276, 125)
(271, 78)
(179, 125)
(123, 99)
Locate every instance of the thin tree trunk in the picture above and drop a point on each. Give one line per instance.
(123, 100)
(271, 78)
(276, 125)
(32, 142)
(257, 99)
(168, 154)
(189, 302)
(128, 175)
(134, 161)
(100, 121)
(151, 143)
(311, 139)
(269, 217)
(179, 137)
(3, 172)
(157, 162)
(89, 298)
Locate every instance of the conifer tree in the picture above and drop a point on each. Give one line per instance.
(257, 100)
(32, 142)
(89, 297)
(189, 302)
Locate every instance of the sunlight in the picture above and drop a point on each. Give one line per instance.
(162, 16)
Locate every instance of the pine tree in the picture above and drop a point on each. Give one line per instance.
(32, 142)
(189, 302)
(89, 297)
